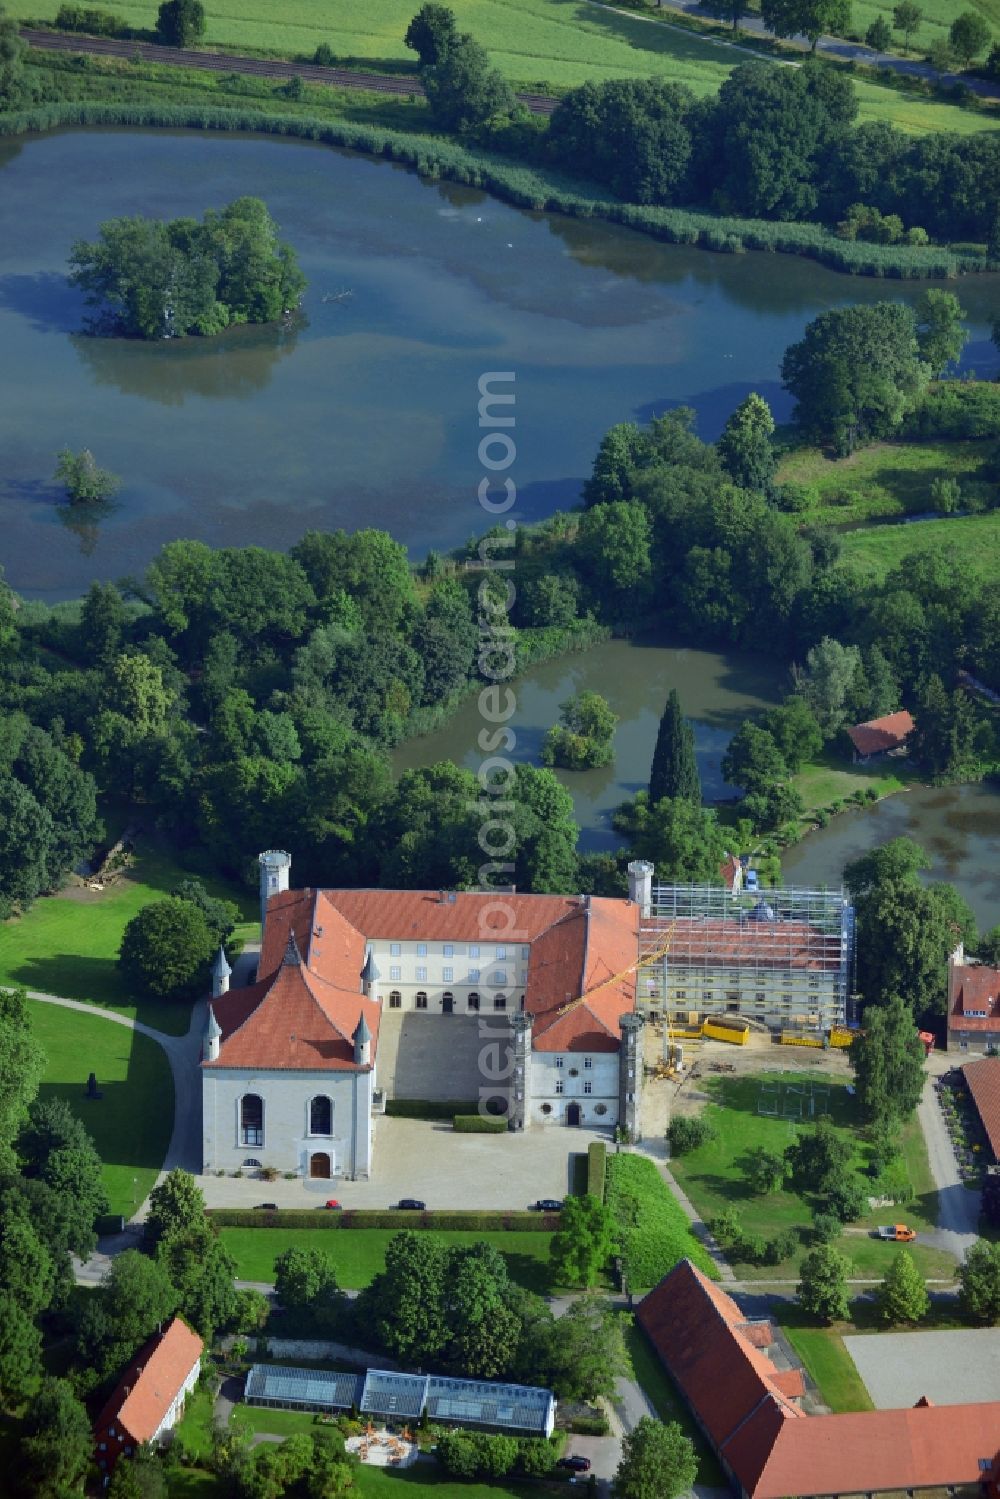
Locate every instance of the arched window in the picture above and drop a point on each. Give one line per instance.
(499, 1001)
(320, 1115)
(251, 1119)
(421, 998)
(473, 1000)
(395, 999)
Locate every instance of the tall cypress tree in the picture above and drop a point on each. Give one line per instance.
(674, 771)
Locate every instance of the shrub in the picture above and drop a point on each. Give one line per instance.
(589, 1426)
(653, 1230)
(824, 1228)
(597, 1165)
(423, 1108)
(687, 1133)
(476, 1124)
(781, 1247)
(324, 56)
(93, 22)
(467, 1222)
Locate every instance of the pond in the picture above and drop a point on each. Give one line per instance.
(716, 690)
(365, 412)
(957, 826)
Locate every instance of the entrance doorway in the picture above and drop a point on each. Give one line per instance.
(319, 1166)
(447, 1003)
(573, 1115)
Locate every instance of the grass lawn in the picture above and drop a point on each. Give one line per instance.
(194, 1434)
(67, 944)
(832, 778)
(427, 1479)
(359, 1253)
(713, 1178)
(536, 43)
(650, 1374)
(131, 1124)
(887, 478)
(974, 540)
(826, 1359)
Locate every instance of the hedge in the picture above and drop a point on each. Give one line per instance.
(653, 1230)
(477, 1124)
(527, 187)
(597, 1166)
(589, 1426)
(426, 1108)
(444, 1221)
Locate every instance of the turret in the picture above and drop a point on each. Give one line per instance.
(274, 873)
(211, 1039)
(640, 885)
(630, 1076)
(370, 976)
(221, 974)
(362, 1039)
(519, 1098)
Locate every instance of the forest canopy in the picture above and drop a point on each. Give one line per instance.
(156, 278)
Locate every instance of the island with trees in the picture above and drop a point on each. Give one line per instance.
(148, 278)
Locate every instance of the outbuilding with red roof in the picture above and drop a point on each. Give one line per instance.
(148, 1400)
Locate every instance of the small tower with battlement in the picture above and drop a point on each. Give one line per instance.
(630, 1077)
(211, 1038)
(519, 1101)
(221, 974)
(274, 874)
(640, 885)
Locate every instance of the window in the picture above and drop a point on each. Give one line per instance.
(473, 975)
(252, 1161)
(320, 1115)
(630, 1098)
(473, 1000)
(600, 1108)
(501, 954)
(421, 1000)
(395, 972)
(473, 951)
(395, 999)
(546, 1108)
(560, 1061)
(394, 949)
(421, 975)
(499, 976)
(588, 1062)
(559, 1084)
(525, 953)
(588, 1086)
(449, 950)
(447, 975)
(421, 949)
(499, 1001)
(251, 1119)
(760, 997)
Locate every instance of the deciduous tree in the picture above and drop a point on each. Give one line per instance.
(658, 1462)
(809, 18)
(179, 23)
(979, 1283)
(57, 1443)
(22, 1062)
(745, 445)
(969, 34)
(889, 1063)
(20, 1352)
(822, 1289)
(166, 949)
(431, 32)
(902, 1296)
(582, 1246)
(753, 760)
(906, 17)
(463, 90)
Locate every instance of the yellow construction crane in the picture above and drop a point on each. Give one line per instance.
(660, 951)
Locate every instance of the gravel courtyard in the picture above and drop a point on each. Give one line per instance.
(950, 1368)
(418, 1158)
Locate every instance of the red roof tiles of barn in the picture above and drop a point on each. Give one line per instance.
(983, 1078)
(880, 734)
(976, 988)
(152, 1382)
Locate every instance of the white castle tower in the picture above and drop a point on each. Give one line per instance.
(274, 871)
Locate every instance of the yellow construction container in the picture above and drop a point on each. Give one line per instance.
(797, 1038)
(841, 1037)
(737, 1032)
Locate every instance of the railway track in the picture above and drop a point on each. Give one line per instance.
(223, 62)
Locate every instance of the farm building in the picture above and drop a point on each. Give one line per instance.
(521, 1410)
(751, 1411)
(782, 958)
(973, 1004)
(148, 1400)
(880, 736)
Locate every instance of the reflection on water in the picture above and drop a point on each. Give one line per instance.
(717, 691)
(958, 826)
(234, 365)
(84, 518)
(364, 415)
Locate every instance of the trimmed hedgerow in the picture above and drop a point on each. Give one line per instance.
(524, 186)
(597, 1165)
(426, 1108)
(451, 1222)
(477, 1124)
(653, 1232)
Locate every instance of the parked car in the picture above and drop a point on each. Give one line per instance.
(267, 1207)
(411, 1205)
(752, 882)
(898, 1233)
(547, 1205)
(575, 1464)
(334, 1204)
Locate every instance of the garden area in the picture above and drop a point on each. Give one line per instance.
(67, 944)
(965, 1128)
(769, 1112)
(131, 1122)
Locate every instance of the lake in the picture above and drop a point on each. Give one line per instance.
(365, 412)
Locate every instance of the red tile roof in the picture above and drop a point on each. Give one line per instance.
(773, 1448)
(983, 1078)
(576, 957)
(151, 1384)
(974, 993)
(880, 734)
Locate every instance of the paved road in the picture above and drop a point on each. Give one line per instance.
(829, 46)
(958, 1207)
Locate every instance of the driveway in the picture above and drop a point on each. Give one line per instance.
(958, 1207)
